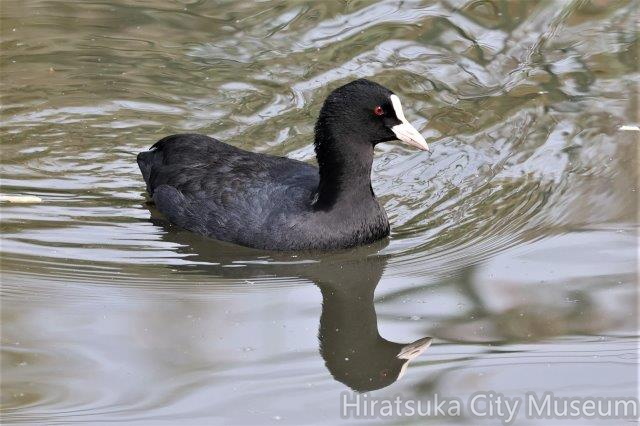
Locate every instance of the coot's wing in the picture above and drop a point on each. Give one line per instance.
(178, 151)
(214, 189)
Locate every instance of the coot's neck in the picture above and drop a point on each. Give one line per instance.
(345, 170)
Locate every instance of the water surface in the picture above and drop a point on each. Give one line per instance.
(513, 243)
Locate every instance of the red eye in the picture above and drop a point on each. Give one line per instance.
(378, 110)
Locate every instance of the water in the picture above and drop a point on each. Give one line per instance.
(513, 244)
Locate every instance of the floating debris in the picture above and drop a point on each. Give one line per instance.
(630, 128)
(23, 199)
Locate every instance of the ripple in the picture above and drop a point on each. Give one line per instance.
(512, 242)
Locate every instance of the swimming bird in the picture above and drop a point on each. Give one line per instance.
(268, 202)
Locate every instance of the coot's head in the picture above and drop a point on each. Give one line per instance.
(367, 113)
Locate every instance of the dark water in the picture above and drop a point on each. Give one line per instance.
(513, 243)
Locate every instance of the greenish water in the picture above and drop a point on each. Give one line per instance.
(513, 245)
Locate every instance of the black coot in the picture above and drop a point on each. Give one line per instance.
(268, 202)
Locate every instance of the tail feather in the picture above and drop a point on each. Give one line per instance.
(173, 151)
(146, 161)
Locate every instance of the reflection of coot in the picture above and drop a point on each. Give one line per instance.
(353, 350)
(276, 203)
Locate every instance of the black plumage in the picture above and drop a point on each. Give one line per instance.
(269, 202)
